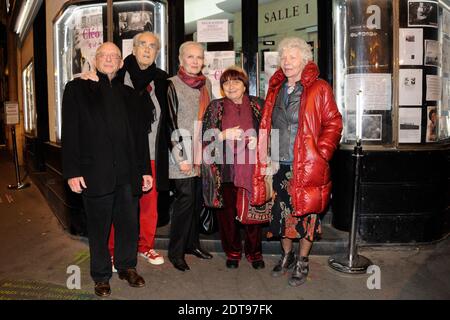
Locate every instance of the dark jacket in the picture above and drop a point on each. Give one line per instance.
(318, 135)
(87, 147)
(162, 136)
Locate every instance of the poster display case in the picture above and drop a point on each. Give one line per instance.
(81, 27)
(392, 79)
(391, 82)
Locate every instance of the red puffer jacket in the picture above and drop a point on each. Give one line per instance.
(318, 135)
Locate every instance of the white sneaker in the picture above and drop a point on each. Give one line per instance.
(112, 263)
(152, 257)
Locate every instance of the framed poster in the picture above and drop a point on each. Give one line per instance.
(410, 46)
(369, 36)
(215, 63)
(422, 14)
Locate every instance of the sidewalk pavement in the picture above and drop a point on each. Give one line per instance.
(35, 253)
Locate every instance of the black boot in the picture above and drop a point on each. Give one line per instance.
(300, 272)
(286, 262)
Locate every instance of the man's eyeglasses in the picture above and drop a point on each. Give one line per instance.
(112, 56)
(144, 45)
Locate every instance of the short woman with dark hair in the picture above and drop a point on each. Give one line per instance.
(234, 120)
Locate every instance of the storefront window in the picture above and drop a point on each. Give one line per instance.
(363, 69)
(279, 19)
(78, 32)
(383, 104)
(29, 106)
(216, 24)
(81, 28)
(442, 121)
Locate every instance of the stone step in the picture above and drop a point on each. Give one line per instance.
(332, 242)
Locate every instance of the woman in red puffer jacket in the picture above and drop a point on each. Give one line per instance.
(301, 108)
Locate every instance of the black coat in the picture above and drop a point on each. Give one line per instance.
(163, 134)
(87, 147)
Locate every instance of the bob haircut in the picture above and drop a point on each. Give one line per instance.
(234, 73)
(298, 43)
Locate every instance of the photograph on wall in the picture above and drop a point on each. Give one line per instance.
(434, 87)
(432, 53)
(444, 127)
(410, 121)
(215, 63)
(127, 47)
(375, 90)
(86, 32)
(369, 36)
(131, 23)
(446, 21)
(371, 127)
(410, 87)
(445, 95)
(410, 46)
(422, 14)
(445, 55)
(271, 64)
(432, 129)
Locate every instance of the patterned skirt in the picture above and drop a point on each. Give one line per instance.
(283, 224)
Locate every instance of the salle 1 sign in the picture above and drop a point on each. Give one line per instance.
(285, 13)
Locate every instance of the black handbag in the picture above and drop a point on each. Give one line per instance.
(208, 221)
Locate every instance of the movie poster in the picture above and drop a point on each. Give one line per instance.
(422, 14)
(271, 64)
(215, 63)
(86, 32)
(131, 23)
(432, 124)
(369, 36)
(411, 46)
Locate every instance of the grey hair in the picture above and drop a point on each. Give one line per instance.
(298, 43)
(189, 43)
(136, 39)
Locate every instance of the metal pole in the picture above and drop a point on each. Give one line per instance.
(352, 262)
(19, 184)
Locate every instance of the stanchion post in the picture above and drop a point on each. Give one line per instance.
(19, 184)
(352, 262)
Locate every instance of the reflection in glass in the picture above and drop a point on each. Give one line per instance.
(29, 106)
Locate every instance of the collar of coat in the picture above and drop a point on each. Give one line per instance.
(309, 74)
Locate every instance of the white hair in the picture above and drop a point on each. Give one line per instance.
(154, 35)
(189, 43)
(298, 43)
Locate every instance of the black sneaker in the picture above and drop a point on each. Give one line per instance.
(286, 262)
(300, 272)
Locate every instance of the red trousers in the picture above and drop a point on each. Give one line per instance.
(229, 230)
(148, 219)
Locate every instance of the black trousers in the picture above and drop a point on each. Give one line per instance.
(184, 227)
(121, 209)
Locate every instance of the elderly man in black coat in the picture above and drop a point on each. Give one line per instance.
(141, 73)
(106, 159)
